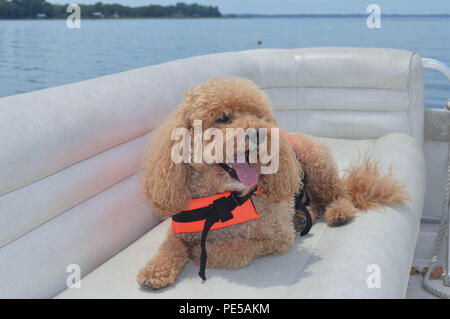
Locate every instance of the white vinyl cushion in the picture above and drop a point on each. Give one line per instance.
(54, 194)
(327, 263)
(34, 265)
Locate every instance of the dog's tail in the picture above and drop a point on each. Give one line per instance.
(369, 188)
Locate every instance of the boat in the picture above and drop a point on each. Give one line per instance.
(74, 224)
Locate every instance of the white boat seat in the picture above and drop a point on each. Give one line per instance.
(68, 185)
(342, 257)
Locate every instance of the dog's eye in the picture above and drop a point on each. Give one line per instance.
(224, 119)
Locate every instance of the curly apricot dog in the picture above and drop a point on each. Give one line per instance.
(230, 102)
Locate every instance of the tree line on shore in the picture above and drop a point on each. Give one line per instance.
(29, 9)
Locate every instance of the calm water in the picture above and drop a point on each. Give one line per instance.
(36, 54)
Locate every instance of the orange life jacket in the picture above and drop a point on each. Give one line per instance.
(242, 213)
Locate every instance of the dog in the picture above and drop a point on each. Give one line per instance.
(303, 163)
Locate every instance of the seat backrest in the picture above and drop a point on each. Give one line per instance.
(69, 154)
(356, 93)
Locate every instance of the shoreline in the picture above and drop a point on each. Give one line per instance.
(250, 16)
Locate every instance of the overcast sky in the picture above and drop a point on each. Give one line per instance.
(298, 6)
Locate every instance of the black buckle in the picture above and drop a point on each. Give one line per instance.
(223, 207)
(236, 198)
(239, 200)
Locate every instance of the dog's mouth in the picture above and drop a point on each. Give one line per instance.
(241, 170)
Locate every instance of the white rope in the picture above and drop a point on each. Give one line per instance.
(443, 233)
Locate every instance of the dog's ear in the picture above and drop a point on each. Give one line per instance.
(164, 181)
(284, 183)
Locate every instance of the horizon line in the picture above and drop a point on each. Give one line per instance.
(335, 14)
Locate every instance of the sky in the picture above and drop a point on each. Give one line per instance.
(299, 6)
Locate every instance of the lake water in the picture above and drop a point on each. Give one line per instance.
(36, 54)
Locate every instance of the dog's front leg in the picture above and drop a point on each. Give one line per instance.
(164, 268)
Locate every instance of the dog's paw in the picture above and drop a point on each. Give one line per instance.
(339, 212)
(336, 218)
(152, 278)
(300, 219)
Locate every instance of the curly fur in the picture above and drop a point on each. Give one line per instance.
(164, 181)
(170, 186)
(368, 188)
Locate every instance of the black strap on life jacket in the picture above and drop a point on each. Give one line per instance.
(220, 209)
(301, 204)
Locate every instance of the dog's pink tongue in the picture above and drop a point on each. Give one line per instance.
(247, 174)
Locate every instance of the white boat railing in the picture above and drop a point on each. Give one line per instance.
(444, 227)
(437, 65)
